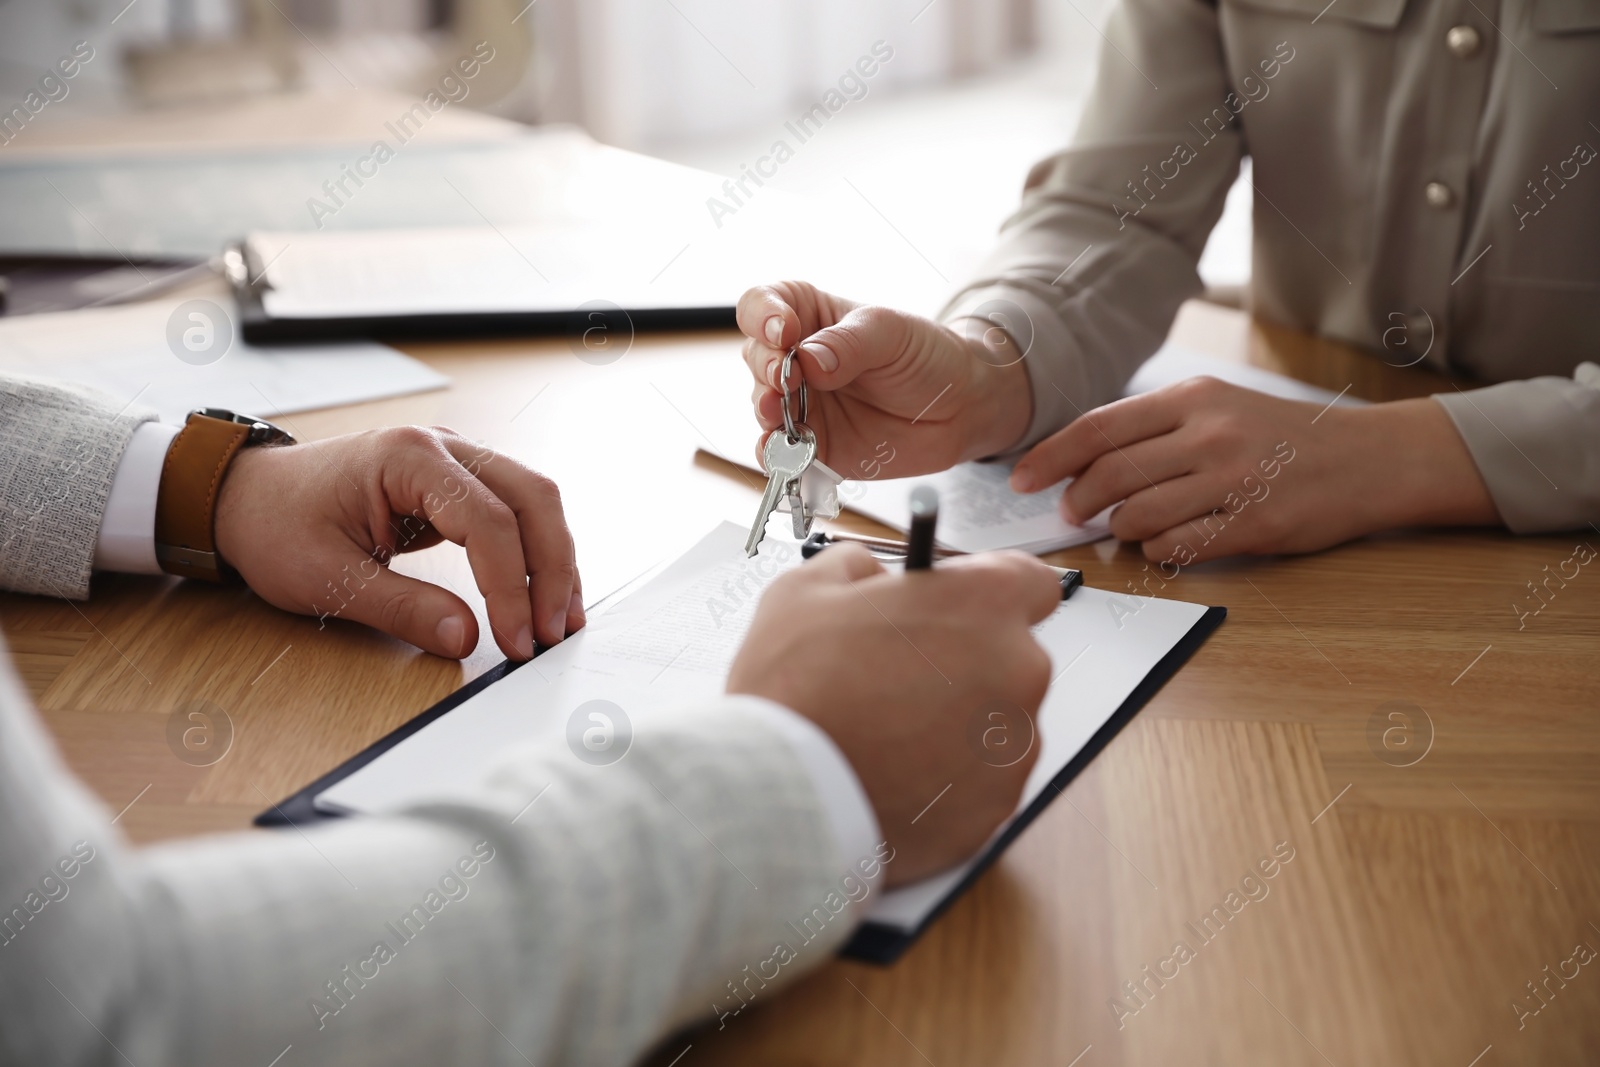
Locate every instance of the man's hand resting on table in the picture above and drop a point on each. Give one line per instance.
(312, 527)
(897, 669)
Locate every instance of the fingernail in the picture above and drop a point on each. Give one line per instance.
(1022, 481)
(524, 643)
(775, 331)
(575, 609)
(772, 374)
(558, 624)
(824, 357)
(452, 635)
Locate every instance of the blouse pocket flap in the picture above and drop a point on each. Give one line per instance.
(1566, 16)
(1381, 14)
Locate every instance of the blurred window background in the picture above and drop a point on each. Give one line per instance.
(944, 130)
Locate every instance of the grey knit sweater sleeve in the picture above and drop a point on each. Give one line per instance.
(674, 886)
(59, 450)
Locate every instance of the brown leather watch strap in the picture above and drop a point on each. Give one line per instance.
(187, 500)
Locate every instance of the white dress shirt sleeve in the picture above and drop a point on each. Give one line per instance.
(127, 540)
(849, 812)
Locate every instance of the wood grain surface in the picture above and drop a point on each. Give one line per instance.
(1435, 871)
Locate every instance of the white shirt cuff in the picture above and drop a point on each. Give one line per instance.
(849, 812)
(127, 539)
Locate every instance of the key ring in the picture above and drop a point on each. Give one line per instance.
(789, 422)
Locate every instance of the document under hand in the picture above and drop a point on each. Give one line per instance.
(979, 512)
(137, 353)
(664, 647)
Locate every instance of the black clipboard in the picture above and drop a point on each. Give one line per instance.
(257, 325)
(872, 942)
(883, 944)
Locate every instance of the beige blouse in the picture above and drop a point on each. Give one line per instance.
(1426, 186)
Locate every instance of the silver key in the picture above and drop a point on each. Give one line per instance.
(798, 512)
(785, 459)
(814, 495)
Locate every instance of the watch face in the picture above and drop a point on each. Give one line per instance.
(262, 432)
(266, 433)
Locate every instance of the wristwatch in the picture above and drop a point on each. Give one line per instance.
(186, 502)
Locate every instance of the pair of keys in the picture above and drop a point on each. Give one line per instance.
(787, 457)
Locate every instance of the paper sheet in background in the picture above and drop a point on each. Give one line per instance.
(1175, 363)
(124, 351)
(978, 512)
(660, 650)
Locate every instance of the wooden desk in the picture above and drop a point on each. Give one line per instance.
(1414, 910)
(1419, 901)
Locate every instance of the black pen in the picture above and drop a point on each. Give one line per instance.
(924, 518)
(1070, 578)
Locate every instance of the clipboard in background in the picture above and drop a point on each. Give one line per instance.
(1113, 663)
(466, 281)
